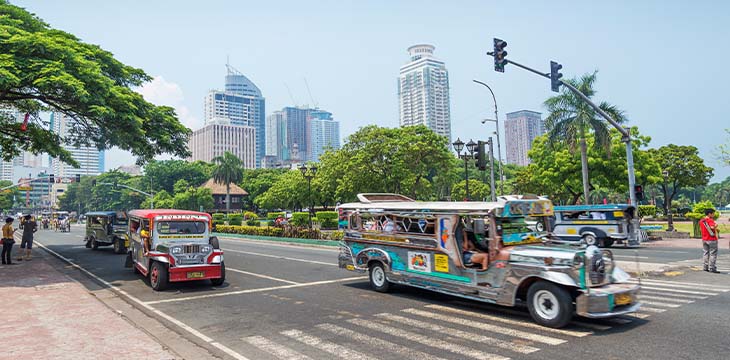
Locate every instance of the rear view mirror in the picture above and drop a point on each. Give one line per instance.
(479, 226)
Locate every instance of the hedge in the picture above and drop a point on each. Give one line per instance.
(219, 216)
(698, 210)
(251, 230)
(253, 222)
(299, 219)
(289, 232)
(328, 219)
(274, 215)
(647, 211)
(250, 215)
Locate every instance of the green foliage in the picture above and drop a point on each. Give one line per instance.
(698, 210)
(478, 191)
(250, 215)
(6, 196)
(718, 193)
(253, 222)
(274, 215)
(327, 219)
(164, 174)
(250, 230)
(43, 69)
(101, 197)
(684, 168)
(193, 198)
(235, 219)
(289, 192)
(219, 216)
(647, 211)
(299, 219)
(228, 170)
(724, 150)
(162, 200)
(256, 182)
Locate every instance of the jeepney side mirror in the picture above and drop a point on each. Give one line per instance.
(479, 227)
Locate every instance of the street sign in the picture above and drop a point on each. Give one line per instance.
(25, 188)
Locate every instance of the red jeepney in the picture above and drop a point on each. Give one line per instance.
(174, 245)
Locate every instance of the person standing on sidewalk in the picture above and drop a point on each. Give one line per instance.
(708, 227)
(29, 229)
(8, 241)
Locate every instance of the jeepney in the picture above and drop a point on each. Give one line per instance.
(104, 228)
(174, 246)
(600, 225)
(425, 246)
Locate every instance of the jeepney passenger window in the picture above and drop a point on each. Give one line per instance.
(133, 226)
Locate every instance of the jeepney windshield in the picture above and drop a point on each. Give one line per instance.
(181, 227)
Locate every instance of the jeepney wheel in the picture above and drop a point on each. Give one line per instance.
(94, 244)
(222, 279)
(607, 243)
(378, 281)
(549, 304)
(590, 240)
(88, 243)
(158, 276)
(119, 246)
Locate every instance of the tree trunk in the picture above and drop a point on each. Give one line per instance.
(584, 168)
(228, 198)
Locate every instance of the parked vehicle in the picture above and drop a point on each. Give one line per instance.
(173, 246)
(105, 228)
(600, 225)
(422, 244)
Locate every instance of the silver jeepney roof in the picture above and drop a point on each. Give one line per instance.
(396, 202)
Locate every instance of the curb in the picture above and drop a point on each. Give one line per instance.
(273, 239)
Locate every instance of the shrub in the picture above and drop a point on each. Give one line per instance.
(698, 210)
(274, 215)
(235, 219)
(299, 219)
(333, 235)
(251, 230)
(328, 219)
(253, 222)
(647, 211)
(219, 216)
(248, 215)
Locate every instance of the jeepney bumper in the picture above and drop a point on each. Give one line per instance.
(191, 273)
(607, 301)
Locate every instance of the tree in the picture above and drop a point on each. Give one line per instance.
(572, 120)
(288, 192)
(191, 198)
(44, 69)
(256, 182)
(717, 193)
(683, 167)
(163, 174)
(162, 200)
(724, 150)
(6, 196)
(229, 169)
(478, 191)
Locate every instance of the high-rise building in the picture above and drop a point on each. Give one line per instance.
(276, 136)
(297, 132)
(220, 136)
(324, 133)
(89, 158)
(521, 128)
(6, 170)
(423, 89)
(241, 103)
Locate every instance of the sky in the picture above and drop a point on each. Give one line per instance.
(662, 62)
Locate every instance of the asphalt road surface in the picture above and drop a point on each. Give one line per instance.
(292, 302)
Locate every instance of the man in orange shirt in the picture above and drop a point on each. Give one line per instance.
(708, 227)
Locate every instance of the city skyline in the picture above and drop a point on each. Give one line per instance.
(357, 64)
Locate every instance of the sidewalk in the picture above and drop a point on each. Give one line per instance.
(50, 316)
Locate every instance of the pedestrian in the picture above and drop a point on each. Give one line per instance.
(708, 227)
(8, 241)
(29, 229)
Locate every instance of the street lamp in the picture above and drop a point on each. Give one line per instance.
(308, 174)
(471, 146)
(667, 210)
(499, 145)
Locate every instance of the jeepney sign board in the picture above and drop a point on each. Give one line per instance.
(419, 261)
(441, 262)
(184, 217)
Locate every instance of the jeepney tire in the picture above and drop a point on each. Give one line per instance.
(88, 243)
(222, 279)
(119, 246)
(590, 239)
(213, 240)
(378, 281)
(541, 300)
(607, 243)
(158, 276)
(94, 244)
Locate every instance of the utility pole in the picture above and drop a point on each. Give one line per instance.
(491, 168)
(499, 146)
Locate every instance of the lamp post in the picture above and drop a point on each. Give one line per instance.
(499, 146)
(471, 146)
(667, 210)
(308, 173)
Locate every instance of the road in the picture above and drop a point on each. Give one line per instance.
(292, 302)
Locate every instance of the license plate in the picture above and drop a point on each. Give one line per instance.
(196, 275)
(350, 267)
(622, 299)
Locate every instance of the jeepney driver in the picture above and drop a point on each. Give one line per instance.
(145, 235)
(472, 256)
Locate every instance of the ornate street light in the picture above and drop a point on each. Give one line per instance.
(309, 173)
(471, 147)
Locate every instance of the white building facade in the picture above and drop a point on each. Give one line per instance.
(423, 91)
(324, 133)
(521, 128)
(220, 136)
(89, 158)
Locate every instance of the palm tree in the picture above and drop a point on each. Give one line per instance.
(229, 169)
(571, 120)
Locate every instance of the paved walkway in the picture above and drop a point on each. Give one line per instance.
(47, 315)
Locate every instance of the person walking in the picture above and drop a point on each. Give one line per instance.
(29, 229)
(8, 241)
(708, 227)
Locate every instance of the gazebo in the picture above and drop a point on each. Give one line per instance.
(219, 196)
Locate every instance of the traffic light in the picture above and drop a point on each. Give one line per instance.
(639, 192)
(499, 55)
(481, 156)
(555, 76)
(51, 179)
(78, 178)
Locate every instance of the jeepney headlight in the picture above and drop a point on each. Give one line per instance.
(205, 248)
(578, 261)
(608, 260)
(176, 250)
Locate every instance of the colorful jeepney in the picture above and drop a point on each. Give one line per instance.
(104, 228)
(600, 225)
(173, 246)
(422, 244)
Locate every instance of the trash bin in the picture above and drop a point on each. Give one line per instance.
(696, 228)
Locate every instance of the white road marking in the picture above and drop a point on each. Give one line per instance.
(651, 309)
(663, 298)
(281, 257)
(522, 349)
(639, 315)
(677, 290)
(426, 340)
(272, 244)
(262, 276)
(488, 327)
(404, 352)
(279, 351)
(509, 321)
(250, 291)
(159, 313)
(592, 325)
(659, 304)
(325, 346)
(690, 285)
(630, 257)
(685, 296)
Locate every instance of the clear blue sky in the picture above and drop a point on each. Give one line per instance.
(663, 62)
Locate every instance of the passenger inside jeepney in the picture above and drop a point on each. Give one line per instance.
(471, 255)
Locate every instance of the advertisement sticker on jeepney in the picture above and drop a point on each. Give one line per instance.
(441, 262)
(419, 261)
(444, 226)
(181, 217)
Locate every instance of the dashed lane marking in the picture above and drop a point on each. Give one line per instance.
(326, 346)
(659, 304)
(678, 290)
(643, 296)
(644, 291)
(651, 309)
(279, 351)
(282, 257)
(683, 286)
(262, 276)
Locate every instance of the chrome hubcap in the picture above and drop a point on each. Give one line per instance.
(546, 304)
(378, 276)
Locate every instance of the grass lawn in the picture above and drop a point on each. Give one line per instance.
(686, 226)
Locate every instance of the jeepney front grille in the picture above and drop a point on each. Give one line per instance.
(190, 249)
(597, 270)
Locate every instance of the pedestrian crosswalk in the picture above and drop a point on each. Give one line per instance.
(722, 264)
(460, 330)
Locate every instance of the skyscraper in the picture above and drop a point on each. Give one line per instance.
(521, 128)
(297, 134)
(220, 136)
(423, 89)
(89, 158)
(242, 104)
(324, 133)
(300, 134)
